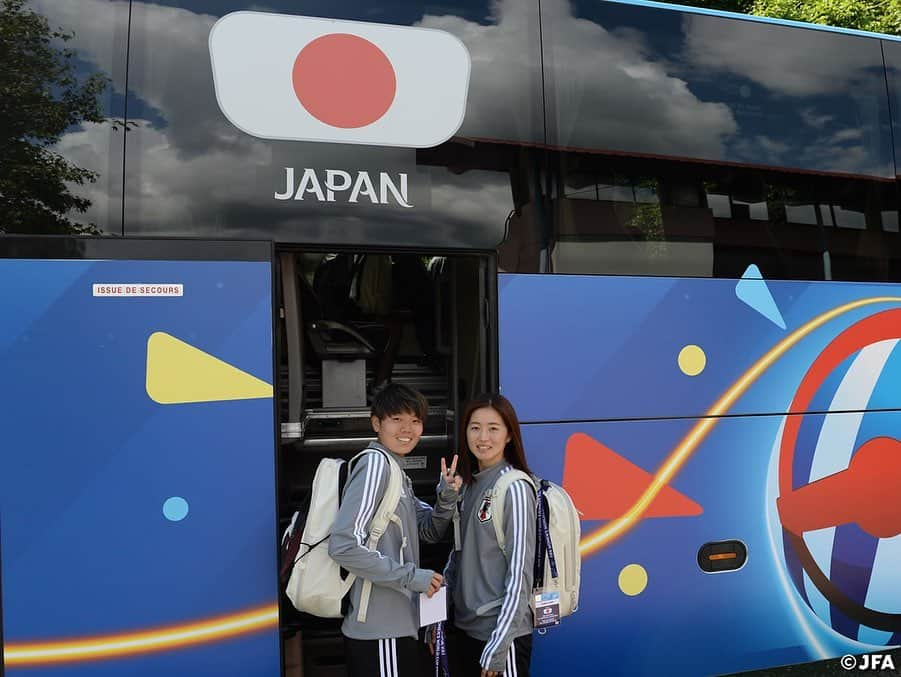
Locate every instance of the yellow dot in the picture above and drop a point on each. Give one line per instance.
(692, 360)
(633, 579)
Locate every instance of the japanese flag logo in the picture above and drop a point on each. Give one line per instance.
(306, 79)
(484, 513)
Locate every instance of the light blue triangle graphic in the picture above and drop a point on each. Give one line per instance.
(752, 289)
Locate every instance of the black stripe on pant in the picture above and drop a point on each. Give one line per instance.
(464, 653)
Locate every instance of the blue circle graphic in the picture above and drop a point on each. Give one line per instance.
(175, 509)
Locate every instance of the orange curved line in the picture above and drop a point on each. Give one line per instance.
(144, 641)
(683, 450)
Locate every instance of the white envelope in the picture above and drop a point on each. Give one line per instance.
(433, 609)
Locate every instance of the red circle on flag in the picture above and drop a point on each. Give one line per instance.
(344, 80)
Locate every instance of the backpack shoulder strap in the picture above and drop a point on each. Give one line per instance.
(498, 494)
(384, 515)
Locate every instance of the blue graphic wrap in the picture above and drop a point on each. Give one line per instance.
(121, 515)
(661, 405)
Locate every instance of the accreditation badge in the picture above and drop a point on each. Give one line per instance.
(545, 608)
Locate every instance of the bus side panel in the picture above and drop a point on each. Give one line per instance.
(610, 347)
(137, 471)
(647, 607)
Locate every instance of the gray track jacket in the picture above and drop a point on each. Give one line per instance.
(394, 567)
(491, 589)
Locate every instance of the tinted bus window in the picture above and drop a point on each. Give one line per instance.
(641, 80)
(699, 145)
(609, 215)
(191, 171)
(62, 154)
(892, 51)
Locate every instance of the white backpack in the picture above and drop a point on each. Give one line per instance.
(565, 531)
(315, 585)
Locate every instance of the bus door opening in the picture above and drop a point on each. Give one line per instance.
(350, 322)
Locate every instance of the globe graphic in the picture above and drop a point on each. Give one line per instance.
(837, 470)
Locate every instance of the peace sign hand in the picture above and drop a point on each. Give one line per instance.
(450, 476)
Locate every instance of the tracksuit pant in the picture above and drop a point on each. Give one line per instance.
(464, 653)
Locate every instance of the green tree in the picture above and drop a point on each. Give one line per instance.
(41, 97)
(879, 16)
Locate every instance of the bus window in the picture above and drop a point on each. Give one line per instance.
(62, 159)
(656, 217)
(892, 51)
(636, 80)
(190, 171)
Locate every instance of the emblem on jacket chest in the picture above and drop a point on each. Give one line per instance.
(484, 513)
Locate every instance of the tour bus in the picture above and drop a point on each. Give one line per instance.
(669, 236)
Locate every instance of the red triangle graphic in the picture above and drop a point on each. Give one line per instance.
(604, 485)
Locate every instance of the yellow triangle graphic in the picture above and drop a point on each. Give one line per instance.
(179, 373)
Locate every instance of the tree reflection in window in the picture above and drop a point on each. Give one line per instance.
(41, 97)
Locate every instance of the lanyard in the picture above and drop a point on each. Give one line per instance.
(544, 547)
(442, 669)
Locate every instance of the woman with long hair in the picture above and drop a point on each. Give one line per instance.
(491, 587)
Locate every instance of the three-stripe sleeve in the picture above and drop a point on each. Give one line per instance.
(347, 542)
(519, 534)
